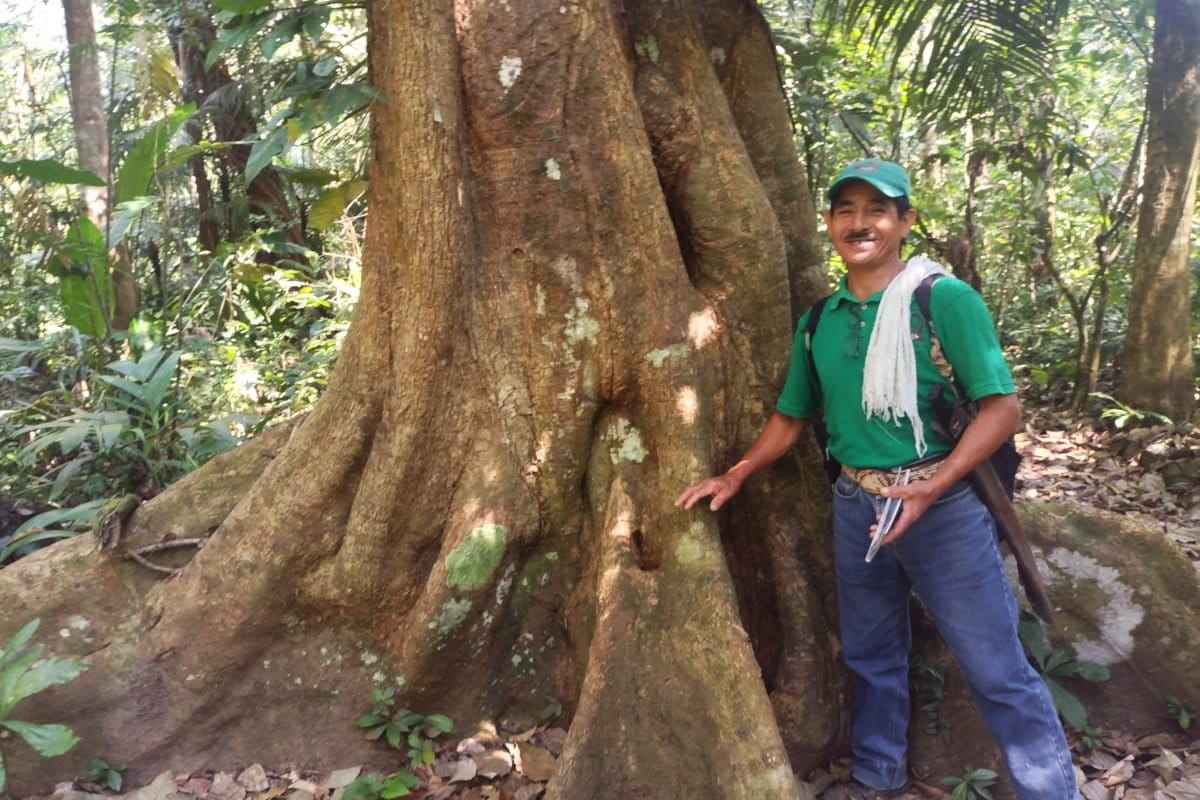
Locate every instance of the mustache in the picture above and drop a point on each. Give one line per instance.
(858, 236)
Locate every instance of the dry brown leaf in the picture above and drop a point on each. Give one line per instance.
(224, 787)
(1119, 773)
(254, 778)
(1101, 759)
(536, 762)
(1095, 790)
(1186, 789)
(493, 763)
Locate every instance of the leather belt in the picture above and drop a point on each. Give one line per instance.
(874, 479)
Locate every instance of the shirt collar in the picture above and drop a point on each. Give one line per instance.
(843, 295)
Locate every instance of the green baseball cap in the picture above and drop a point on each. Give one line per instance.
(886, 176)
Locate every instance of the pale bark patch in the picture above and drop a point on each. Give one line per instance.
(510, 70)
(1117, 618)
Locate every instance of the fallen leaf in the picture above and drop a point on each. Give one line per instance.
(471, 747)
(1095, 790)
(464, 770)
(1101, 759)
(254, 778)
(536, 762)
(224, 787)
(341, 778)
(1118, 773)
(1186, 789)
(493, 763)
(160, 788)
(525, 736)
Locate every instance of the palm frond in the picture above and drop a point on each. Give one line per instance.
(966, 52)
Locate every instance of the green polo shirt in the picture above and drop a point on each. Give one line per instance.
(968, 339)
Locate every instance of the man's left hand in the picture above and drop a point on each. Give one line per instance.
(915, 498)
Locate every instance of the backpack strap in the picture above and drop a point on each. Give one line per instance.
(814, 316)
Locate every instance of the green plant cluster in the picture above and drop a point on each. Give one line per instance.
(1056, 665)
(402, 729)
(23, 673)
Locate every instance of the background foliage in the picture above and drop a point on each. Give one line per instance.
(239, 167)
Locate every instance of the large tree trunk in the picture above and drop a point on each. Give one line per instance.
(1157, 372)
(588, 237)
(91, 140)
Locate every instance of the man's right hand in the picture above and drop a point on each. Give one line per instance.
(719, 487)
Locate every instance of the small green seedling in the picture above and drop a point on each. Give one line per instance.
(374, 786)
(104, 774)
(1054, 665)
(404, 727)
(927, 683)
(23, 673)
(973, 784)
(1178, 711)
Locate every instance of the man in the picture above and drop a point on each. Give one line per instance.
(871, 350)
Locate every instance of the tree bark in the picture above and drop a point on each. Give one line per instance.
(588, 243)
(1157, 370)
(91, 140)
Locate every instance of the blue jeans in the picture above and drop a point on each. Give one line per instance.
(950, 557)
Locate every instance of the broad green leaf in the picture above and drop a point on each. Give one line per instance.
(127, 386)
(1068, 705)
(344, 98)
(148, 155)
(393, 788)
(237, 35)
(311, 176)
(264, 150)
(325, 67)
(1029, 629)
(393, 736)
(9, 676)
(3, 776)
(370, 720)
(19, 640)
(128, 213)
(1061, 662)
(440, 723)
(46, 673)
(16, 544)
(406, 718)
(78, 517)
(332, 203)
(73, 436)
(1091, 671)
(314, 22)
(160, 382)
(86, 291)
(47, 170)
(283, 32)
(48, 740)
(242, 6)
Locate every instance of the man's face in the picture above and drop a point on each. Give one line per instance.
(864, 226)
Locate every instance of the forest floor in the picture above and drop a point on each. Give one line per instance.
(1150, 472)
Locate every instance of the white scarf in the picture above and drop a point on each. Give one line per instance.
(890, 374)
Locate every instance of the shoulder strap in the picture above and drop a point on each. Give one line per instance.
(814, 316)
(924, 290)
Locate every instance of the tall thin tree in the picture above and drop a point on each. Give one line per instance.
(1158, 373)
